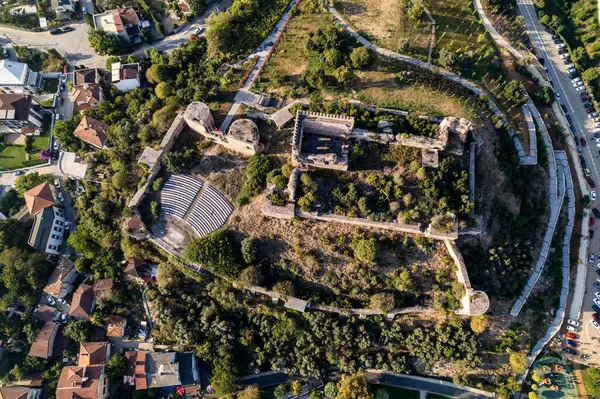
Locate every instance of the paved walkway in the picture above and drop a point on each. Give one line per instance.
(244, 96)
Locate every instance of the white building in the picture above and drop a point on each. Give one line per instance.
(20, 113)
(125, 76)
(17, 77)
(48, 220)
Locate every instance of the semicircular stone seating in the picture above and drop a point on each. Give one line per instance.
(208, 212)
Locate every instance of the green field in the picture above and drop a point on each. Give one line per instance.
(590, 377)
(13, 156)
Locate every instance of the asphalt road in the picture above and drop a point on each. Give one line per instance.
(569, 97)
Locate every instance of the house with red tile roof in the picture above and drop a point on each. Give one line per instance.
(83, 302)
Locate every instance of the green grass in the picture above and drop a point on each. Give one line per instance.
(397, 393)
(13, 156)
(590, 382)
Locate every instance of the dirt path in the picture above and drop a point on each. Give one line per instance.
(578, 380)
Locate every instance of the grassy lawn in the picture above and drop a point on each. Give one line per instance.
(13, 156)
(456, 25)
(590, 382)
(397, 393)
(50, 85)
(385, 22)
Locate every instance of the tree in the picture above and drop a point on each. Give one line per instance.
(78, 330)
(382, 394)
(116, 365)
(250, 392)
(590, 74)
(296, 387)
(249, 249)
(543, 95)
(366, 250)
(383, 302)
(343, 75)
(360, 57)
(513, 92)
(11, 202)
(63, 132)
(330, 389)
(157, 73)
(30, 180)
(285, 288)
(163, 90)
(224, 375)
(213, 251)
(256, 176)
(251, 275)
(353, 387)
(478, 323)
(415, 9)
(532, 395)
(104, 44)
(280, 391)
(518, 362)
(447, 58)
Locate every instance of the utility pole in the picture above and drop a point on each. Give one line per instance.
(14, 44)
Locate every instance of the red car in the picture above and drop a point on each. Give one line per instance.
(66, 68)
(571, 335)
(584, 99)
(590, 110)
(592, 221)
(583, 141)
(590, 182)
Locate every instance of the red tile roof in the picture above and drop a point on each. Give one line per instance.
(38, 198)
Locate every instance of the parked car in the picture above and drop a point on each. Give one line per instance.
(55, 144)
(56, 31)
(571, 335)
(596, 301)
(561, 45)
(593, 195)
(583, 142)
(593, 115)
(572, 343)
(67, 225)
(572, 322)
(67, 29)
(583, 94)
(592, 222)
(50, 300)
(591, 258)
(578, 83)
(588, 105)
(596, 212)
(571, 351)
(60, 99)
(570, 65)
(572, 71)
(198, 31)
(591, 182)
(63, 78)
(596, 318)
(571, 328)
(61, 197)
(580, 88)
(591, 233)
(597, 285)
(584, 99)
(66, 68)
(18, 172)
(61, 301)
(56, 183)
(579, 150)
(590, 110)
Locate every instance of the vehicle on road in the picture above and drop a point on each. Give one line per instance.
(584, 99)
(60, 31)
(588, 105)
(579, 150)
(593, 195)
(570, 65)
(591, 182)
(590, 110)
(60, 100)
(67, 225)
(56, 183)
(50, 300)
(561, 45)
(574, 323)
(61, 197)
(62, 301)
(583, 94)
(577, 84)
(55, 145)
(596, 212)
(596, 318)
(593, 115)
(580, 88)
(18, 172)
(592, 221)
(597, 302)
(67, 29)
(572, 343)
(591, 260)
(198, 31)
(583, 142)
(597, 285)
(571, 351)
(571, 335)
(575, 80)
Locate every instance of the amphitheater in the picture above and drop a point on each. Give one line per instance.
(195, 202)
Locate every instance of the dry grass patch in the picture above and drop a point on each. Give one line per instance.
(386, 23)
(456, 25)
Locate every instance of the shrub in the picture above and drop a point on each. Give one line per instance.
(383, 301)
(366, 250)
(252, 275)
(256, 175)
(249, 249)
(285, 288)
(330, 389)
(360, 57)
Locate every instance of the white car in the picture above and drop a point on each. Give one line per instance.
(597, 301)
(577, 79)
(61, 301)
(591, 258)
(55, 143)
(61, 197)
(64, 78)
(571, 328)
(580, 88)
(593, 197)
(564, 56)
(577, 84)
(561, 45)
(596, 325)
(67, 225)
(569, 66)
(56, 183)
(571, 70)
(574, 323)
(596, 124)
(593, 115)
(50, 300)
